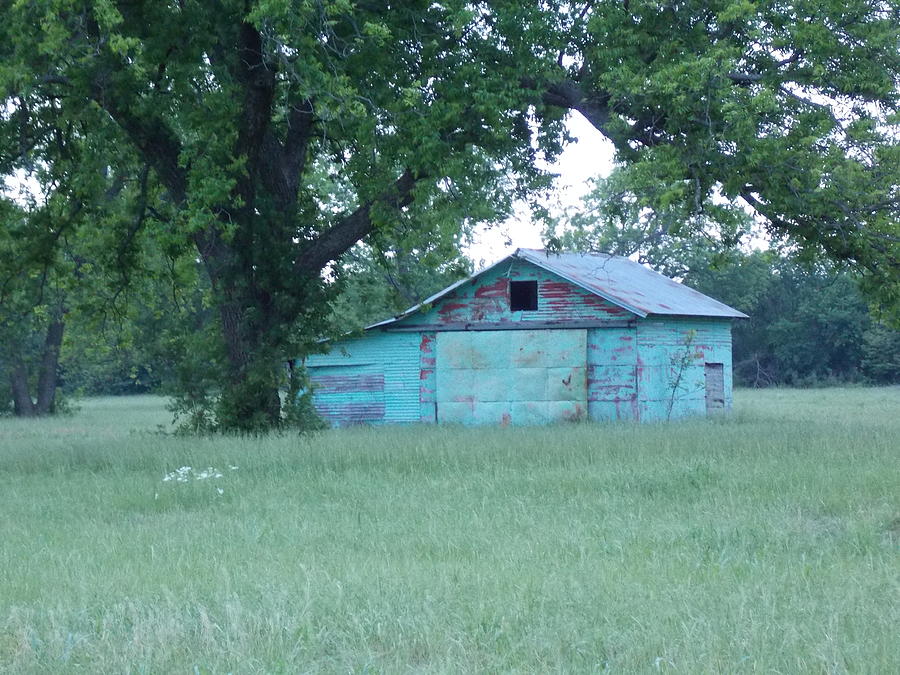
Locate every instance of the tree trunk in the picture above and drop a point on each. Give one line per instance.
(23, 406)
(46, 392)
(250, 398)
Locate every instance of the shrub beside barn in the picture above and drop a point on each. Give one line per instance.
(532, 339)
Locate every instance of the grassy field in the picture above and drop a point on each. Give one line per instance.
(763, 541)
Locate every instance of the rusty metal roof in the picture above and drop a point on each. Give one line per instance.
(619, 280)
(628, 284)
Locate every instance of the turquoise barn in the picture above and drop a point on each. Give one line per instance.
(536, 338)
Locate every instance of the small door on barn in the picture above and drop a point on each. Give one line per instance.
(348, 394)
(715, 387)
(511, 376)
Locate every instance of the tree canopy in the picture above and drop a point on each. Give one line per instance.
(267, 137)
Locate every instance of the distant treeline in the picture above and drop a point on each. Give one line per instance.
(808, 326)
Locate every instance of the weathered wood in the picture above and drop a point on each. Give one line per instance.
(715, 387)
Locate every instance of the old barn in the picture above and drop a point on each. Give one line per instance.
(532, 339)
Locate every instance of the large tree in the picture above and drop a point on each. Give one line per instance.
(428, 114)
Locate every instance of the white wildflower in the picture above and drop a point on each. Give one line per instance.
(185, 474)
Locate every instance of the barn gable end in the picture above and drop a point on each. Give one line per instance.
(485, 299)
(484, 351)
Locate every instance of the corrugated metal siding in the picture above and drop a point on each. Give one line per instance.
(485, 298)
(612, 383)
(660, 345)
(344, 379)
(351, 394)
(629, 374)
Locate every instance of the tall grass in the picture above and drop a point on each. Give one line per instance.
(766, 540)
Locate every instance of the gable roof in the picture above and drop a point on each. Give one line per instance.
(619, 280)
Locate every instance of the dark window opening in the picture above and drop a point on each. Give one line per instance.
(523, 295)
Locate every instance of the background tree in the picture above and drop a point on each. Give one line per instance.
(789, 109)
(807, 325)
(618, 218)
(375, 286)
(229, 104)
(32, 317)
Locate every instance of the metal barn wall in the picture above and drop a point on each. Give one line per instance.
(612, 373)
(511, 376)
(662, 345)
(630, 365)
(486, 299)
(371, 379)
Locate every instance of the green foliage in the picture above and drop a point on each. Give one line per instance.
(375, 286)
(786, 108)
(621, 215)
(807, 325)
(299, 412)
(881, 354)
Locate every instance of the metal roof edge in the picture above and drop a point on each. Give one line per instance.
(440, 294)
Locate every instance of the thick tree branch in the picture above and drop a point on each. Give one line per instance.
(300, 123)
(282, 164)
(569, 94)
(744, 79)
(257, 78)
(335, 241)
(156, 142)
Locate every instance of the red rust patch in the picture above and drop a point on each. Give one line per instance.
(449, 307)
(340, 384)
(498, 289)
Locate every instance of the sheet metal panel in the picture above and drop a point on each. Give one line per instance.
(526, 377)
(612, 374)
(346, 379)
(427, 378)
